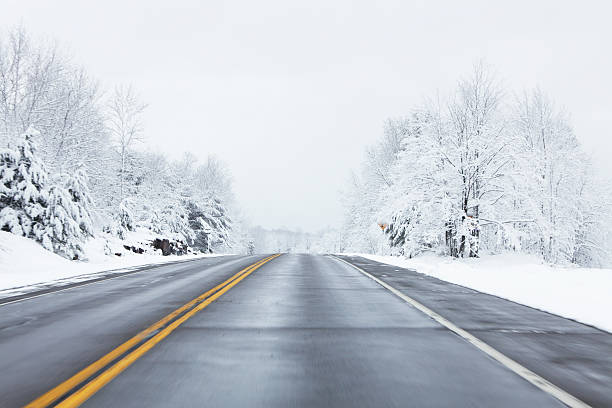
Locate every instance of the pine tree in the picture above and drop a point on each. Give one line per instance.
(197, 223)
(210, 224)
(219, 222)
(57, 216)
(62, 233)
(67, 217)
(174, 219)
(23, 194)
(77, 186)
(11, 214)
(124, 219)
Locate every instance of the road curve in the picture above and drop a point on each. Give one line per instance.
(302, 330)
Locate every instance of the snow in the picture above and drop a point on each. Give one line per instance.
(582, 294)
(24, 262)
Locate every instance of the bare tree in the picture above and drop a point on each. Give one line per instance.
(125, 125)
(212, 179)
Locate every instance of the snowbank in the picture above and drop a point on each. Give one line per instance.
(24, 262)
(582, 294)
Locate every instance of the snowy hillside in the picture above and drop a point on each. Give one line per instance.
(582, 294)
(74, 165)
(25, 262)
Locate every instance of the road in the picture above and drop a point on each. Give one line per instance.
(292, 330)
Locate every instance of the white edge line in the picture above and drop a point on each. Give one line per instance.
(525, 373)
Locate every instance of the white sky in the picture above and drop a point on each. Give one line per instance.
(289, 94)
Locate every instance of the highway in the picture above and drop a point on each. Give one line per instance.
(291, 330)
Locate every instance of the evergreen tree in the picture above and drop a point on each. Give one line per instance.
(77, 186)
(175, 221)
(23, 196)
(67, 217)
(58, 216)
(62, 233)
(218, 221)
(124, 219)
(210, 224)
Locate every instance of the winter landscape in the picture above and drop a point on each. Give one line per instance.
(349, 184)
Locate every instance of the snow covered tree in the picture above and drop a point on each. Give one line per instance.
(212, 179)
(62, 233)
(85, 133)
(550, 172)
(210, 224)
(42, 88)
(250, 247)
(77, 186)
(125, 124)
(23, 194)
(55, 215)
(448, 172)
(125, 218)
(471, 142)
(174, 218)
(219, 222)
(476, 173)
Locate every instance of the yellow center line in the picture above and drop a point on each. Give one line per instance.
(55, 393)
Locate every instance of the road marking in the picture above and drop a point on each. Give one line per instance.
(525, 373)
(93, 386)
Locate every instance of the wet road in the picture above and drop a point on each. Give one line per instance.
(301, 330)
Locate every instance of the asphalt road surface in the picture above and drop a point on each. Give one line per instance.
(294, 330)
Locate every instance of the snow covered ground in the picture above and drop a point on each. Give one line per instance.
(24, 262)
(582, 294)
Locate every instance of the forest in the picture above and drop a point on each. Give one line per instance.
(478, 170)
(74, 164)
(481, 170)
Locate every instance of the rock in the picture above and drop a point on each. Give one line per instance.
(169, 247)
(164, 245)
(134, 249)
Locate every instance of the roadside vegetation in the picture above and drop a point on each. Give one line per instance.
(480, 171)
(75, 166)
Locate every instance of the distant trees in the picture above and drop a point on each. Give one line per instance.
(480, 171)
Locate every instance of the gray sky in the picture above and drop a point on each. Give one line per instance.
(289, 94)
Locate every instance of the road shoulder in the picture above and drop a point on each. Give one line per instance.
(566, 353)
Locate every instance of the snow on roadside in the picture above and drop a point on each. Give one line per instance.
(582, 294)
(24, 262)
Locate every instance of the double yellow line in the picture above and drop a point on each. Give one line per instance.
(165, 326)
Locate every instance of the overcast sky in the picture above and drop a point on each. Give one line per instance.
(289, 94)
